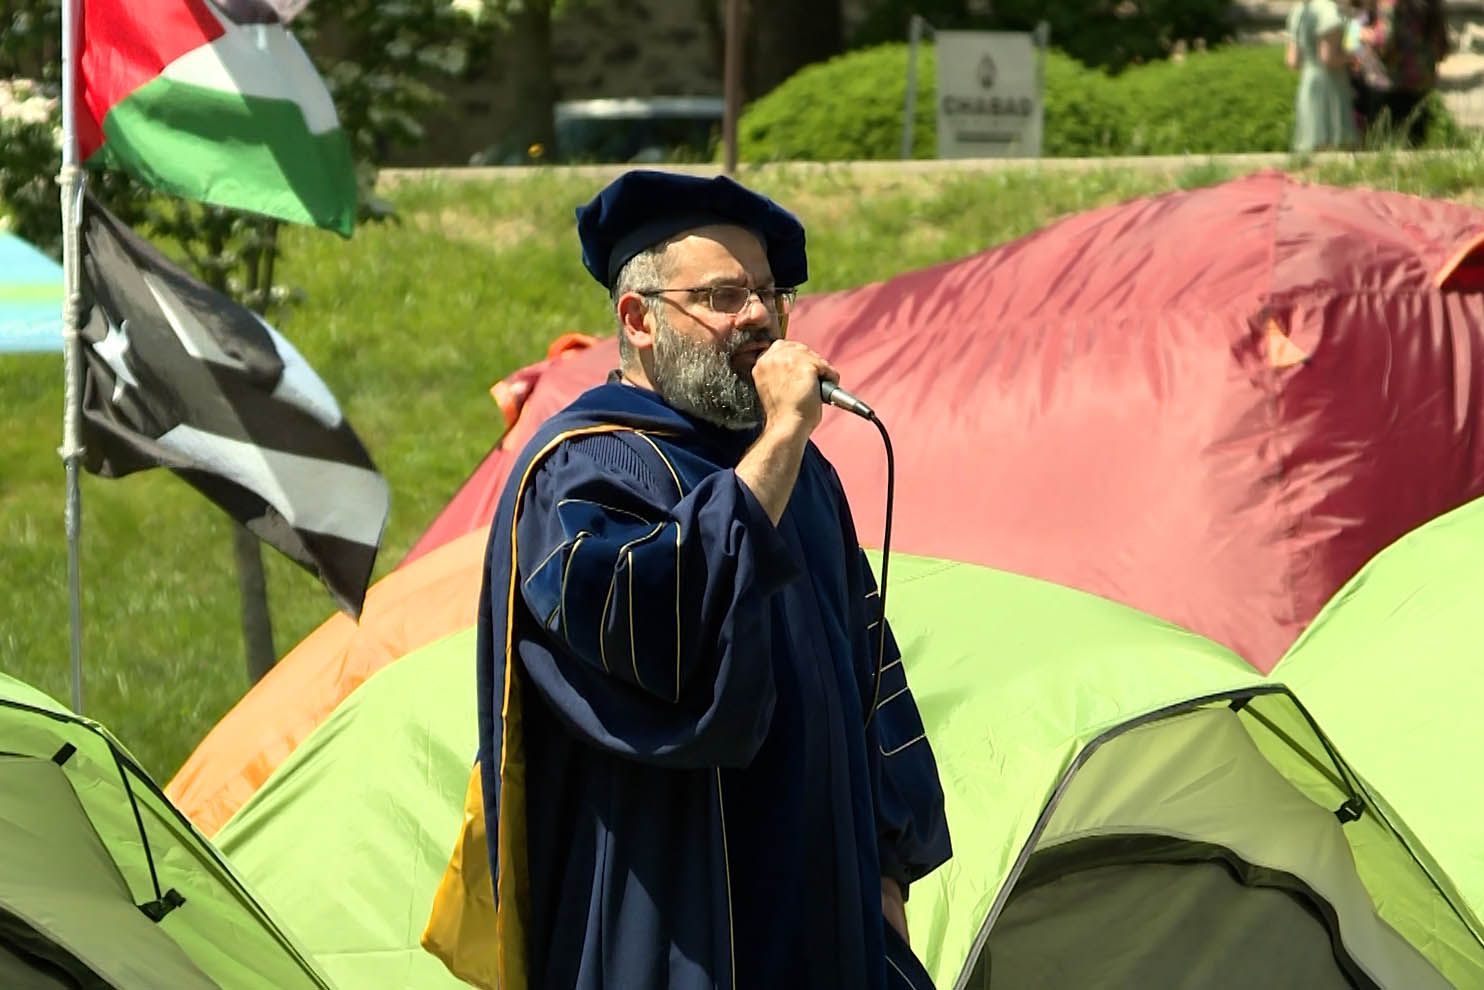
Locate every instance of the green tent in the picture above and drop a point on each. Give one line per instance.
(103, 884)
(1131, 804)
(1391, 669)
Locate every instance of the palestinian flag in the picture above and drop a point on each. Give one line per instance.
(180, 376)
(215, 102)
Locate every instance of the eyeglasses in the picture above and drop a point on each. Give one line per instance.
(733, 299)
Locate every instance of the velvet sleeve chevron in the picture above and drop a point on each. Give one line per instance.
(911, 825)
(652, 601)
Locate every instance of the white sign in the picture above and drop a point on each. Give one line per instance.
(990, 102)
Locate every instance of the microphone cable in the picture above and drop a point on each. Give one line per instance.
(891, 485)
(834, 395)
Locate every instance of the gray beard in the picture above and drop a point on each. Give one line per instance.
(697, 377)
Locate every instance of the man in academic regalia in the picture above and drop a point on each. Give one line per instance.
(702, 764)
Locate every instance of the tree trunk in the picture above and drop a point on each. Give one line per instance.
(252, 589)
(252, 582)
(786, 35)
(529, 72)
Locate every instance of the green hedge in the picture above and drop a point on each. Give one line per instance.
(1237, 98)
(1231, 99)
(1084, 117)
(847, 108)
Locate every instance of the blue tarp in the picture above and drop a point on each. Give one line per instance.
(30, 298)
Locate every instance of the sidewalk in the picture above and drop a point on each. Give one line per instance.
(1461, 83)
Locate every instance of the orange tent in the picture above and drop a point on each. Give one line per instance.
(410, 607)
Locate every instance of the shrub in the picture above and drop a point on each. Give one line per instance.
(850, 108)
(28, 160)
(1237, 98)
(1083, 116)
(847, 108)
(1233, 99)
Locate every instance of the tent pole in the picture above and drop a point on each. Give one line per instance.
(71, 182)
(909, 108)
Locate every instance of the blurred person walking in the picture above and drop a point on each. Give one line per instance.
(1410, 38)
(1323, 109)
(1369, 80)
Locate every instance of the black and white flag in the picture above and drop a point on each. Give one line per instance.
(182, 377)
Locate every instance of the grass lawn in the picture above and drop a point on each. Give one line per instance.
(410, 323)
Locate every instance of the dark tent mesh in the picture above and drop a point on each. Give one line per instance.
(1148, 911)
(19, 970)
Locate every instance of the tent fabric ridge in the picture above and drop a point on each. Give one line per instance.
(1272, 380)
(1359, 792)
(1465, 914)
(1263, 303)
(1327, 291)
(1065, 780)
(1341, 782)
(1278, 475)
(149, 856)
(1141, 846)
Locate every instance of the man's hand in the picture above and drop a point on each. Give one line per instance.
(786, 376)
(894, 907)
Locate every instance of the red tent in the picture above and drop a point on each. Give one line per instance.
(1213, 405)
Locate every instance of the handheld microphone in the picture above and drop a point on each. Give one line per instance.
(834, 395)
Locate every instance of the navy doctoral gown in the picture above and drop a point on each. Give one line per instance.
(688, 789)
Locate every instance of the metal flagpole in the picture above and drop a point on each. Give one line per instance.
(71, 181)
(731, 83)
(909, 108)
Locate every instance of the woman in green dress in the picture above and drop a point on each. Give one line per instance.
(1323, 114)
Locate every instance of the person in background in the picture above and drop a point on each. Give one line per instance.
(1369, 81)
(1323, 109)
(1410, 37)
